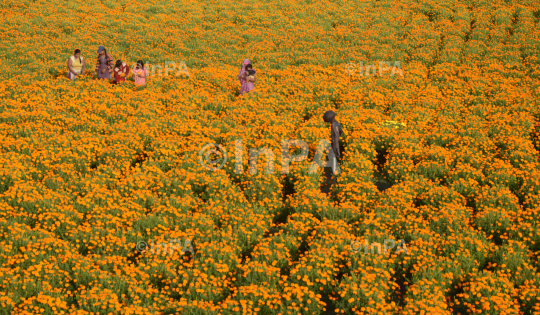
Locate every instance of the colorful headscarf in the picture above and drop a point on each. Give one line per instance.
(243, 69)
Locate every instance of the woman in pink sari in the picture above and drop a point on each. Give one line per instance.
(246, 78)
(140, 73)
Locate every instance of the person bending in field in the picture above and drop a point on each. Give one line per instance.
(140, 73)
(247, 77)
(121, 70)
(105, 64)
(76, 65)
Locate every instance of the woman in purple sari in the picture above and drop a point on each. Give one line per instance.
(247, 77)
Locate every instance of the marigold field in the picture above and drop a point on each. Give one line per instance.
(88, 170)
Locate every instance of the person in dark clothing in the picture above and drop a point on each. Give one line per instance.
(334, 155)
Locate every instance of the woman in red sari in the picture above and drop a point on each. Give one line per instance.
(121, 70)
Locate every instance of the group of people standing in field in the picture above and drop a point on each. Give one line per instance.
(106, 68)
